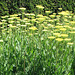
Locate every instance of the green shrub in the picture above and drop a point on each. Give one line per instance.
(3, 8)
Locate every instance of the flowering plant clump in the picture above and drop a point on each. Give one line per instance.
(38, 43)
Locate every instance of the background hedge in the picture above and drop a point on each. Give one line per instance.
(12, 6)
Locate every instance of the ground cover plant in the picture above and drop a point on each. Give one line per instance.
(37, 44)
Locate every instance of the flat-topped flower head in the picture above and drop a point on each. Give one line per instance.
(60, 8)
(72, 32)
(27, 14)
(23, 25)
(33, 20)
(49, 20)
(64, 13)
(33, 28)
(40, 19)
(11, 22)
(48, 12)
(73, 28)
(52, 16)
(1, 41)
(56, 30)
(56, 34)
(45, 30)
(4, 16)
(72, 22)
(63, 29)
(14, 15)
(59, 39)
(39, 6)
(13, 26)
(64, 35)
(3, 20)
(32, 14)
(59, 26)
(51, 37)
(1, 23)
(10, 19)
(22, 8)
(67, 39)
(70, 43)
(66, 26)
(54, 13)
(28, 23)
(40, 15)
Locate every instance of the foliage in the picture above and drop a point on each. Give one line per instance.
(3, 8)
(37, 44)
(13, 5)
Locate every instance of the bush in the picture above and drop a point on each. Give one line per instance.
(3, 8)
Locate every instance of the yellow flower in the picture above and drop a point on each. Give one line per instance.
(3, 20)
(64, 35)
(45, 27)
(67, 23)
(58, 26)
(56, 34)
(64, 13)
(73, 28)
(65, 20)
(52, 16)
(30, 34)
(27, 14)
(50, 20)
(57, 16)
(54, 13)
(48, 12)
(23, 25)
(55, 30)
(11, 21)
(67, 39)
(39, 6)
(40, 19)
(4, 16)
(51, 37)
(72, 22)
(22, 8)
(70, 43)
(66, 26)
(72, 32)
(1, 23)
(59, 39)
(33, 20)
(1, 40)
(32, 14)
(70, 27)
(33, 28)
(62, 29)
(12, 26)
(14, 15)
(60, 8)
(39, 15)
(28, 23)
(44, 30)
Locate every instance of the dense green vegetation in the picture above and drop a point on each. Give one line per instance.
(37, 37)
(12, 6)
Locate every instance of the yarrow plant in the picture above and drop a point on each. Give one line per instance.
(37, 44)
